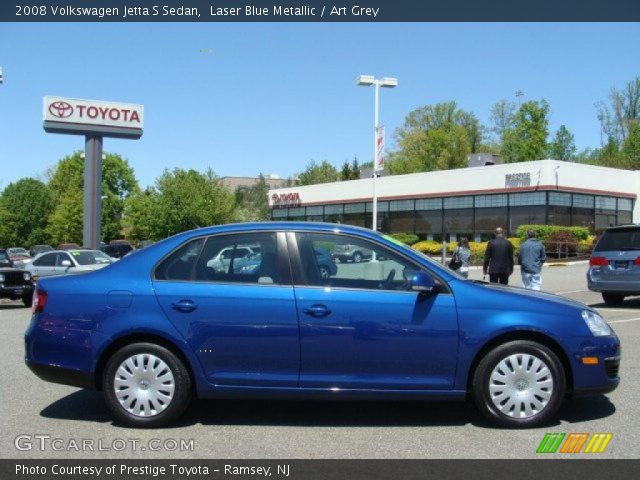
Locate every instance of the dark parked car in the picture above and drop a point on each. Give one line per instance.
(117, 250)
(614, 266)
(158, 327)
(15, 283)
(36, 249)
(69, 246)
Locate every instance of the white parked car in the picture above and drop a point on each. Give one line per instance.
(220, 263)
(61, 262)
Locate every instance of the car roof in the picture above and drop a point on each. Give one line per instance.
(284, 225)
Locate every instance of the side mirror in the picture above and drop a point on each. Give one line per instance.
(65, 263)
(422, 282)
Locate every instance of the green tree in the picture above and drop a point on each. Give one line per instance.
(30, 203)
(118, 183)
(187, 199)
(435, 137)
(563, 146)
(139, 215)
(617, 117)
(345, 171)
(527, 139)
(355, 169)
(502, 116)
(65, 222)
(316, 173)
(630, 151)
(252, 203)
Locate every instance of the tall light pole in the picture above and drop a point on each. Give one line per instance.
(386, 82)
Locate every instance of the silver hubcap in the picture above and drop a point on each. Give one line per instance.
(521, 385)
(144, 385)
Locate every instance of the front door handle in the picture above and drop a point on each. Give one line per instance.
(318, 311)
(184, 306)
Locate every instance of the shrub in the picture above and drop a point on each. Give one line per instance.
(543, 232)
(515, 241)
(429, 247)
(406, 238)
(560, 244)
(585, 247)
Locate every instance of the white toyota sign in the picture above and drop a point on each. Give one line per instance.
(75, 115)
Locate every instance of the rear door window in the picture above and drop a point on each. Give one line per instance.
(48, 260)
(617, 240)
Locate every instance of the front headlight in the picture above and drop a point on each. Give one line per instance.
(1, 277)
(26, 276)
(598, 325)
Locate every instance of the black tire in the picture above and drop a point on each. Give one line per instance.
(177, 405)
(612, 299)
(27, 300)
(324, 271)
(482, 375)
(357, 257)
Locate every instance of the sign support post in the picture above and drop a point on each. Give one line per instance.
(92, 211)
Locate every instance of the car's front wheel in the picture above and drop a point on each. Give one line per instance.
(519, 384)
(146, 385)
(612, 299)
(27, 300)
(357, 257)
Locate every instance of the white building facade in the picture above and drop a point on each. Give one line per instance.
(472, 201)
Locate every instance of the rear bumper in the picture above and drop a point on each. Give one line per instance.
(64, 376)
(622, 285)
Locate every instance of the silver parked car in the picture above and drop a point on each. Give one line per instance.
(61, 262)
(614, 266)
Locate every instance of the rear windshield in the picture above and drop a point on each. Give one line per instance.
(619, 240)
(90, 257)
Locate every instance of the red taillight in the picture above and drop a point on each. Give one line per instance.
(637, 261)
(598, 262)
(39, 301)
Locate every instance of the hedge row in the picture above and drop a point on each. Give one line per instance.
(543, 232)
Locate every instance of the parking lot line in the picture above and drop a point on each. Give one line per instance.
(625, 320)
(570, 291)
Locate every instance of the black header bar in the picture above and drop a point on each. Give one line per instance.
(320, 11)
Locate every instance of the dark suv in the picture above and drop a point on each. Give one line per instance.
(117, 248)
(14, 283)
(614, 266)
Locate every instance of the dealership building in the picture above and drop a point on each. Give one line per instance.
(472, 201)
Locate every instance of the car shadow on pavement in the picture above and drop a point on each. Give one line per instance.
(85, 405)
(11, 306)
(628, 304)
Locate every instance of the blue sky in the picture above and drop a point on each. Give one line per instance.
(271, 97)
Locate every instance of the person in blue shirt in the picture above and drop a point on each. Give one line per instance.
(531, 258)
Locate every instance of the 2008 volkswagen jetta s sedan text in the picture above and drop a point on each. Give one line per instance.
(160, 326)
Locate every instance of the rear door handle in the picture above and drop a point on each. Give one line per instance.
(184, 306)
(318, 311)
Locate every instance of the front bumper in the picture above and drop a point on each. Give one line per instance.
(603, 377)
(16, 291)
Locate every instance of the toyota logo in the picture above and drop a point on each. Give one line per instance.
(60, 109)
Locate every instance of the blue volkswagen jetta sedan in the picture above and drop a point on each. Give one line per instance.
(160, 326)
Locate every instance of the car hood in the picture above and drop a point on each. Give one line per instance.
(529, 298)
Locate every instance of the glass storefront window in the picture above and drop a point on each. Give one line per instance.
(528, 198)
(280, 213)
(429, 204)
(525, 215)
(483, 201)
(559, 215)
(560, 199)
(488, 219)
(382, 207)
(401, 222)
(605, 204)
(317, 210)
(401, 205)
(458, 222)
(625, 204)
(333, 209)
(356, 219)
(354, 208)
(429, 222)
(458, 202)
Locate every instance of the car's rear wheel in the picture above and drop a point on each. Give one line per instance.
(612, 299)
(324, 271)
(146, 385)
(357, 257)
(519, 384)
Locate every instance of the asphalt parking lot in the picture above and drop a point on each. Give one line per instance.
(261, 429)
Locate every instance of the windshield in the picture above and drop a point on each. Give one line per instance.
(90, 257)
(4, 259)
(17, 251)
(619, 240)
